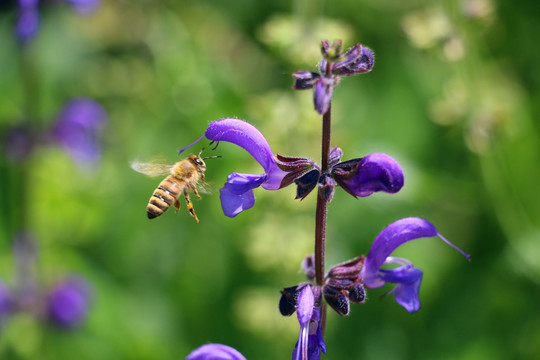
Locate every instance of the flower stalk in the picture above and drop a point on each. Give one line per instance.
(321, 213)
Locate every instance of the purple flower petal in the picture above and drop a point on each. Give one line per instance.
(215, 352)
(78, 129)
(237, 194)
(322, 95)
(394, 235)
(406, 276)
(68, 302)
(305, 304)
(310, 341)
(84, 7)
(408, 279)
(250, 139)
(6, 303)
(375, 172)
(27, 22)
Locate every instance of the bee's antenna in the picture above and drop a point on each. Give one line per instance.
(211, 157)
(200, 152)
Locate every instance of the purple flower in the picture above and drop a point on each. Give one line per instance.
(78, 129)
(19, 141)
(68, 302)
(406, 277)
(28, 16)
(237, 194)
(215, 352)
(357, 60)
(28, 20)
(84, 7)
(359, 177)
(372, 173)
(310, 341)
(6, 303)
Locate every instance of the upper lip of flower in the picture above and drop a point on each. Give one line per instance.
(215, 351)
(237, 193)
(250, 139)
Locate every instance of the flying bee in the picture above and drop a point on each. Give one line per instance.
(185, 175)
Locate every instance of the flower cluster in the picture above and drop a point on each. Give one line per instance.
(28, 16)
(77, 129)
(64, 305)
(333, 66)
(360, 177)
(347, 281)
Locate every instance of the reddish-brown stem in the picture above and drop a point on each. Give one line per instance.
(320, 214)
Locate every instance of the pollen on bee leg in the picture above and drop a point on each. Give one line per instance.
(177, 205)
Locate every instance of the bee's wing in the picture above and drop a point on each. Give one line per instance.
(204, 187)
(151, 168)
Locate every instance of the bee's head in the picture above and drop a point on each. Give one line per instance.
(198, 162)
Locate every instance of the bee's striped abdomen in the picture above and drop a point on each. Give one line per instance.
(164, 196)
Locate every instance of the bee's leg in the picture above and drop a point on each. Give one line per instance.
(196, 192)
(177, 205)
(190, 206)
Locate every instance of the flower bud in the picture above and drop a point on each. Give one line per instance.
(306, 183)
(357, 294)
(304, 80)
(308, 265)
(327, 187)
(336, 299)
(289, 297)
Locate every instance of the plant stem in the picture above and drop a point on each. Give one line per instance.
(320, 214)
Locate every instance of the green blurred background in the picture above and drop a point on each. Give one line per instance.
(454, 97)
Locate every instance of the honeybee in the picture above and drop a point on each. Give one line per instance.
(185, 175)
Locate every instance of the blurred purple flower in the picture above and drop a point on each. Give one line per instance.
(27, 20)
(28, 16)
(68, 302)
(18, 142)
(357, 60)
(78, 129)
(84, 6)
(406, 277)
(237, 193)
(6, 303)
(215, 352)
